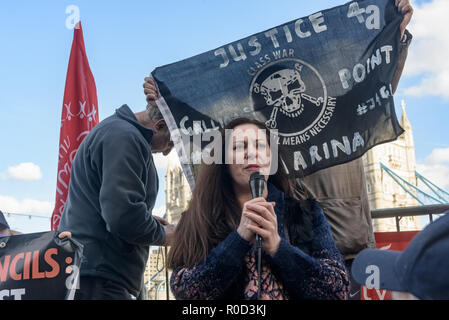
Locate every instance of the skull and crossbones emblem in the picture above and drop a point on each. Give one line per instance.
(284, 90)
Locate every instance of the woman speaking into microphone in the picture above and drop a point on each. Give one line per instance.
(214, 254)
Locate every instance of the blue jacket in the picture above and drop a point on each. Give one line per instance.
(113, 189)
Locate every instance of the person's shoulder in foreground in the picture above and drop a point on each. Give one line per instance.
(421, 271)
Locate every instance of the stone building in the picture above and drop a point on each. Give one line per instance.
(177, 195)
(155, 276)
(177, 191)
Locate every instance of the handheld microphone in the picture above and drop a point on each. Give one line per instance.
(257, 185)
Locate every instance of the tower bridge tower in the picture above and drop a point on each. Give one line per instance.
(383, 190)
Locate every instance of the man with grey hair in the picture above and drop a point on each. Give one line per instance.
(112, 192)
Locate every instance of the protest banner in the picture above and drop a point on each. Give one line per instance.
(321, 82)
(39, 266)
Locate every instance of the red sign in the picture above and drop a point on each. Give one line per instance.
(79, 116)
(397, 241)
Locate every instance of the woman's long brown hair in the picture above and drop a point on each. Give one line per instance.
(213, 211)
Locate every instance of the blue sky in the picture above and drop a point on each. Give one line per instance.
(125, 41)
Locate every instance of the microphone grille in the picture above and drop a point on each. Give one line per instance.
(256, 175)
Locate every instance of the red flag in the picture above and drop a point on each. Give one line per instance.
(79, 116)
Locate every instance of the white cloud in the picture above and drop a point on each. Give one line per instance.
(437, 173)
(438, 156)
(26, 171)
(434, 85)
(427, 55)
(436, 168)
(12, 205)
(161, 161)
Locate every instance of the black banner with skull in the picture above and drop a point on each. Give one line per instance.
(321, 82)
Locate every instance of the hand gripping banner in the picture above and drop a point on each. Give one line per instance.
(322, 82)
